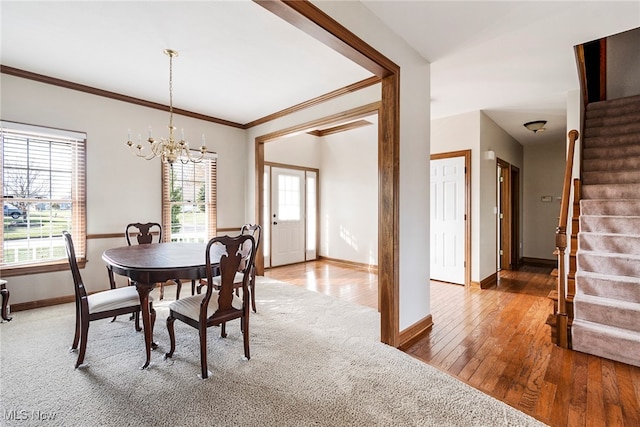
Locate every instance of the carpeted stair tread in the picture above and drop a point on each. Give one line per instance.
(620, 129)
(614, 264)
(610, 224)
(612, 164)
(611, 140)
(604, 285)
(605, 341)
(610, 207)
(607, 311)
(613, 103)
(615, 151)
(609, 177)
(609, 242)
(610, 191)
(618, 118)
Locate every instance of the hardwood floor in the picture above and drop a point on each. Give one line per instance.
(497, 341)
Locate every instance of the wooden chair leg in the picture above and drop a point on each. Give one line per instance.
(161, 291)
(172, 336)
(76, 337)
(136, 316)
(179, 287)
(203, 352)
(193, 287)
(223, 330)
(245, 334)
(252, 290)
(84, 333)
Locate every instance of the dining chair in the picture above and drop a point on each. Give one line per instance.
(144, 234)
(216, 307)
(254, 230)
(98, 305)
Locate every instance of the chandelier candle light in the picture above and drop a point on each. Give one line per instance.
(168, 149)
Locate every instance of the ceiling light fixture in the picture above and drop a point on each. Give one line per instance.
(168, 149)
(536, 126)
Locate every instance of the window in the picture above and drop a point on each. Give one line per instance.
(43, 193)
(189, 200)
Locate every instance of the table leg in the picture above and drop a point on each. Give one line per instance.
(5, 301)
(143, 291)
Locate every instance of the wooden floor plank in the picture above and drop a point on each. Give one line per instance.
(496, 340)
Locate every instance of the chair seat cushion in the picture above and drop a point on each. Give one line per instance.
(112, 299)
(190, 306)
(236, 280)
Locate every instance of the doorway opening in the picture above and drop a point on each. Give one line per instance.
(290, 209)
(507, 218)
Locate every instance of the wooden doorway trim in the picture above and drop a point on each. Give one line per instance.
(508, 194)
(467, 208)
(322, 27)
(514, 185)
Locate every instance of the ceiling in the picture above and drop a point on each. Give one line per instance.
(238, 62)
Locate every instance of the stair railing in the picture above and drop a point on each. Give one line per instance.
(562, 321)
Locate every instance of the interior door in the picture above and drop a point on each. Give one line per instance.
(447, 220)
(287, 216)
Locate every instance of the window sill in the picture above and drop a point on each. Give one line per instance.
(49, 267)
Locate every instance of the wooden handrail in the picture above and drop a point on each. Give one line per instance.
(562, 321)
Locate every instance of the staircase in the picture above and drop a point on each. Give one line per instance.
(607, 301)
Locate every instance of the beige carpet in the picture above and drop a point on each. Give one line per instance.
(315, 361)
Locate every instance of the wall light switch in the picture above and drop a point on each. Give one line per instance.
(546, 199)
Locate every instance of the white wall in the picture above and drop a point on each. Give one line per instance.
(297, 150)
(544, 165)
(623, 64)
(349, 196)
(120, 187)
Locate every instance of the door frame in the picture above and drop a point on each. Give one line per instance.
(467, 206)
(508, 195)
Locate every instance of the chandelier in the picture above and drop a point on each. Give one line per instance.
(168, 149)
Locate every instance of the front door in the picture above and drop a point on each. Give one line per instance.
(287, 216)
(448, 220)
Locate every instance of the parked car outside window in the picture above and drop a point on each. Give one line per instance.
(12, 211)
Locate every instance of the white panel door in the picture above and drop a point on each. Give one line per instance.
(287, 216)
(447, 219)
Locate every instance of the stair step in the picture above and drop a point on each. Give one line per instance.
(610, 207)
(615, 150)
(610, 224)
(610, 191)
(605, 341)
(614, 130)
(611, 104)
(609, 242)
(603, 285)
(629, 114)
(554, 272)
(610, 140)
(613, 264)
(607, 311)
(611, 164)
(611, 177)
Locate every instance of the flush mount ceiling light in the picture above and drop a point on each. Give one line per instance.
(536, 126)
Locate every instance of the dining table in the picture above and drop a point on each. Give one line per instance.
(152, 263)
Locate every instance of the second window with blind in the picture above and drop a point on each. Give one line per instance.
(189, 201)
